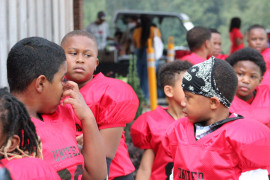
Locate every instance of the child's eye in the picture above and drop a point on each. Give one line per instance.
(240, 74)
(73, 53)
(88, 55)
(254, 77)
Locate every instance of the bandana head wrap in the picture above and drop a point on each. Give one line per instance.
(199, 79)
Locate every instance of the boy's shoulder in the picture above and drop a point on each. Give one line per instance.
(246, 130)
(101, 81)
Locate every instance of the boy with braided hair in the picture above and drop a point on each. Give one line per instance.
(20, 145)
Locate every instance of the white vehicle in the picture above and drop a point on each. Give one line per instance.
(170, 24)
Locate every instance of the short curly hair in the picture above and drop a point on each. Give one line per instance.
(249, 54)
(167, 73)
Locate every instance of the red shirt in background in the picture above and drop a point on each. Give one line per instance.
(193, 58)
(235, 34)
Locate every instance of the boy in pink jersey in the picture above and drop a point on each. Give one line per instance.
(36, 69)
(213, 143)
(113, 102)
(216, 45)
(257, 39)
(198, 39)
(149, 128)
(251, 99)
(20, 146)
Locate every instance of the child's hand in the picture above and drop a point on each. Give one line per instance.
(72, 95)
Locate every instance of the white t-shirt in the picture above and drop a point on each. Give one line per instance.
(100, 31)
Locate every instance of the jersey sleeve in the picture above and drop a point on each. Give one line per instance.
(140, 133)
(118, 105)
(253, 148)
(163, 163)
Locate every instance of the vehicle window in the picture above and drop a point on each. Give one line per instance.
(173, 27)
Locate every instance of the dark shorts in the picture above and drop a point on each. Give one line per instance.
(127, 177)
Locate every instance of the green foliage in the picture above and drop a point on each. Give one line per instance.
(134, 81)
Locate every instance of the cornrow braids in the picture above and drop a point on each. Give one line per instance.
(16, 121)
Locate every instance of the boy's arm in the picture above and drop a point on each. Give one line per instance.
(145, 169)
(93, 147)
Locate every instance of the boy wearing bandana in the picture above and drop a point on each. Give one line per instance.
(252, 99)
(213, 143)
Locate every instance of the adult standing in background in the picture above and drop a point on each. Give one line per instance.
(236, 35)
(100, 29)
(140, 36)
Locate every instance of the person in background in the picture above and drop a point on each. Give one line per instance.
(100, 29)
(21, 149)
(217, 45)
(126, 41)
(199, 43)
(251, 100)
(140, 37)
(257, 39)
(236, 37)
(149, 128)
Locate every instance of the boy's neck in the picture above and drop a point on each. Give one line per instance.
(175, 110)
(201, 52)
(29, 103)
(218, 115)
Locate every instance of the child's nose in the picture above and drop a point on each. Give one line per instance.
(80, 59)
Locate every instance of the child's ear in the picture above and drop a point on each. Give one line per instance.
(15, 142)
(214, 103)
(97, 63)
(40, 82)
(168, 91)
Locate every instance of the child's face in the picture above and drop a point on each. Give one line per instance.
(257, 39)
(53, 92)
(81, 53)
(178, 93)
(196, 107)
(216, 44)
(249, 77)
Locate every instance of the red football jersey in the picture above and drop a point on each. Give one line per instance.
(57, 133)
(30, 169)
(147, 132)
(258, 110)
(114, 104)
(150, 127)
(193, 58)
(237, 146)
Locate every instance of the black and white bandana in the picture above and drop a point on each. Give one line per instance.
(199, 79)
